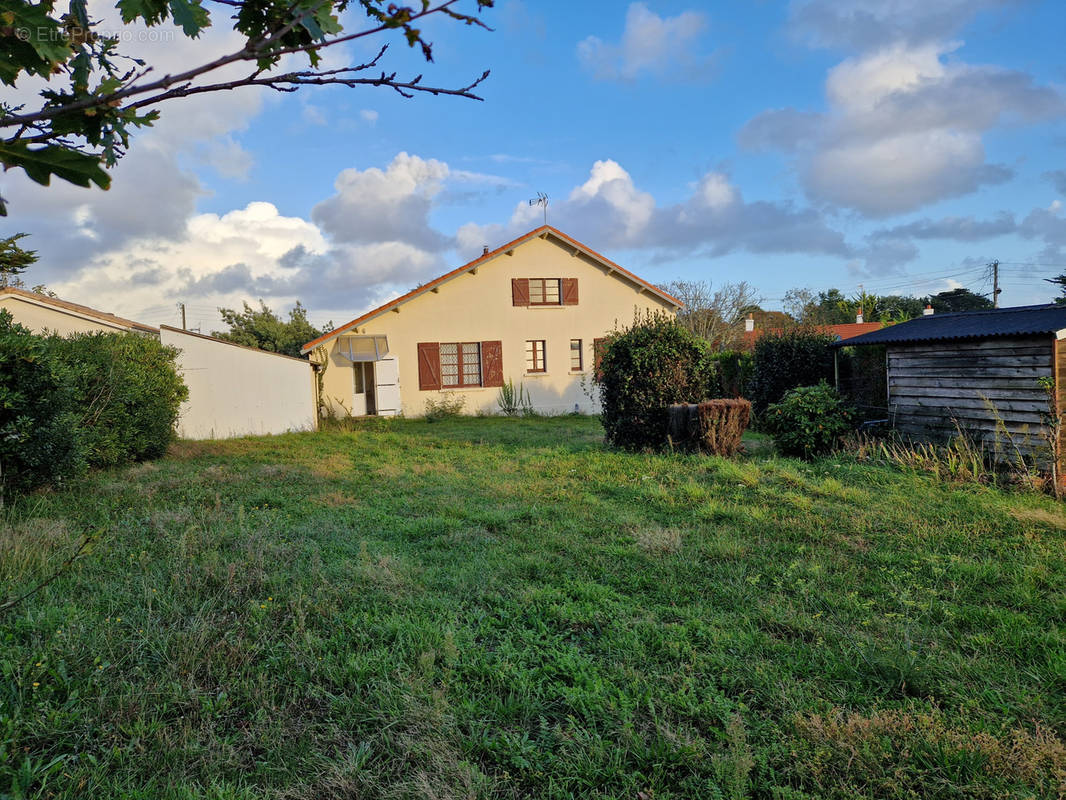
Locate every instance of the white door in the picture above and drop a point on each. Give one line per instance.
(387, 386)
(358, 389)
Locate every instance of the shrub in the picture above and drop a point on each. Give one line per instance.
(735, 368)
(787, 359)
(39, 438)
(722, 424)
(645, 369)
(809, 421)
(448, 406)
(128, 393)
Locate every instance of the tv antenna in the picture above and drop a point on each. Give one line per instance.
(541, 200)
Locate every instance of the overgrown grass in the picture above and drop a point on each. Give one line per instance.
(503, 608)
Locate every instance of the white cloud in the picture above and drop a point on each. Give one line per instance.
(651, 45)
(369, 115)
(904, 128)
(870, 24)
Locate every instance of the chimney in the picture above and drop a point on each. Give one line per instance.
(484, 249)
(749, 324)
(927, 311)
(858, 317)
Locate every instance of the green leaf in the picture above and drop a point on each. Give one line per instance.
(192, 16)
(36, 43)
(42, 163)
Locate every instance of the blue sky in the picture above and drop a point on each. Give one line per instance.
(897, 144)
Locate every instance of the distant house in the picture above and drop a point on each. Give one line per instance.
(530, 312)
(848, 330)
(41, 313)
(976, 370)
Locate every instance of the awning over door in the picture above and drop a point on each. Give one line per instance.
(362, 347)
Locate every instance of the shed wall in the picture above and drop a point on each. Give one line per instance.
(238, 391)
(987, 387)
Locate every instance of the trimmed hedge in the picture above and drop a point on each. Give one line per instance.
(90, 400)
(128, 392)
(735, 369)
(787, 359)
(39, 436)
(645, 369)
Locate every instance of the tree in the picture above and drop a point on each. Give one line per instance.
(959, 300)
(14, 260)
(96, 96)
(1059, 281)
(264, 329)
(714, 315)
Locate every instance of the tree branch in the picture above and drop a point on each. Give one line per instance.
(254, 51)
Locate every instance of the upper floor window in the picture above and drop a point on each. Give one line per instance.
(544, 292)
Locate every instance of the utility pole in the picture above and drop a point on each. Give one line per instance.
(182, 307)
(995, 283)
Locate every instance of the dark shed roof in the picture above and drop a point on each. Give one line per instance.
(1018, 321)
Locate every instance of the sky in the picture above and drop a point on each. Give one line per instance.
(899, 146)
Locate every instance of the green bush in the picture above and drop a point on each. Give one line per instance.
(645, 369)
(809, 421)
(447, 406)
(735, 369)
(39, 437)
(786, 359)
(127, 392)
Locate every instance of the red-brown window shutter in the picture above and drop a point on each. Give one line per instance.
(520, 291)
(597, 356)
(492, 363)
(428, 365)
(569, 291)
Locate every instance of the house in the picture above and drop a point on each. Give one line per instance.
(233, 390)
(41, 313)
(530, 312)
(976, 370)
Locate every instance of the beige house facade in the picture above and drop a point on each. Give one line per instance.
(43, 314)
(531, 312)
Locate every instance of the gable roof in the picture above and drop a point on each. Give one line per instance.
(543, 231)
(76, 308)
(1017, 321)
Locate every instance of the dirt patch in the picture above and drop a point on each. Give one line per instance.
(658, 541)
(1041, 516)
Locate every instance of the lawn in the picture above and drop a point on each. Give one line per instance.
(496, 608)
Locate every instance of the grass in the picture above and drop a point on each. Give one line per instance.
(501, 608)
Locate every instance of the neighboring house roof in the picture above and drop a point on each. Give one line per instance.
(543, 231)
(843, 331)
(1018, 321)
(77, 309)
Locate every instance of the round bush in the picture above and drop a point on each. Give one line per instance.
(643, 370)
(809, 421)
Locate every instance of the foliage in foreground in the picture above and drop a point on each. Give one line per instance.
(88, 400)
(644, 369)
(500, 608)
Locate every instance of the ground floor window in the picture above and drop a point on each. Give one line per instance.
(577, 361)
(535, 355)
(460, 364)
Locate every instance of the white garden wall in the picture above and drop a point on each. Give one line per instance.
(239, 391)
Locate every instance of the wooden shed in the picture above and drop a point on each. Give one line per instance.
(979, 371)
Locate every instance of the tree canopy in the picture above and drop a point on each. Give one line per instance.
(262, 328)
(95, 96)
(14, 259)
(1060, 281)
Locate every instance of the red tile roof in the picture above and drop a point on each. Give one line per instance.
(541, 231)
(845, 331)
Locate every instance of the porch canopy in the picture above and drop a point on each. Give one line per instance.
(358, 348)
